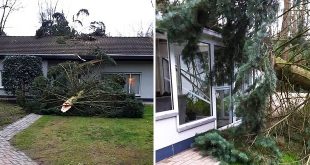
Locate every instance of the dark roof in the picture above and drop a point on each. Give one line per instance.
(125, 46)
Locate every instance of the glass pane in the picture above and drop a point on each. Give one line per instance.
(166, 75)
(222, 67)
(223, 107)
(194, 85)
(163, 77)
(134, 83)
(126, 87)
(1, 78)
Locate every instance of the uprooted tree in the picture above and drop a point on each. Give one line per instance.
(254, 42)
(55, 23)
(82, 89)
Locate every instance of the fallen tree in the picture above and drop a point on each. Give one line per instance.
(292, 73)
(73, 88)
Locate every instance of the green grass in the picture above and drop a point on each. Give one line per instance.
(9, 113)
(89, 140)
(290, 158)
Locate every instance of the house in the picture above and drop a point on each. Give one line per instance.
(134, 57)
(189, 99)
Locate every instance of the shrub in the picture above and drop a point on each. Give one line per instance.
(214, 144)
(91, 94)
(266, 151)
(18, 74)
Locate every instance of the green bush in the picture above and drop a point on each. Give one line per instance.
(18, 75)
(266, 151)
(93, 94)
(214, 144)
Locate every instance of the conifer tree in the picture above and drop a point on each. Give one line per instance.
(245, 30)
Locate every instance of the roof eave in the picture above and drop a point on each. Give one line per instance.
(78, 57)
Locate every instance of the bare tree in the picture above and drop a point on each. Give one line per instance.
(7, 7)
(141, 32)
(46, 10)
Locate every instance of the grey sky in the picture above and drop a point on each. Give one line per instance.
(121, 17)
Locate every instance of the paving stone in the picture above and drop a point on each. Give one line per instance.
(189, 157)
(8, 154)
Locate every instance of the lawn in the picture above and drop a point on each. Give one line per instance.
(9, 113)
(89, 140)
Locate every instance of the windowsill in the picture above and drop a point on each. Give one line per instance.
(196, 123)
(165, 115)
(1, 87)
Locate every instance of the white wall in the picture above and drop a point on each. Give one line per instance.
(166, 132)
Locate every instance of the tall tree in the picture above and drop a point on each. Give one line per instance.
(245, 36)
(97, 28)
(47, 9)
(58, 26)
(249, 44)
(7, 8)
(53, 23)
(76, 18)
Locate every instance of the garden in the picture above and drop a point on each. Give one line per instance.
(266, 42)
(88, 117)
(89, 140)
(9, 113)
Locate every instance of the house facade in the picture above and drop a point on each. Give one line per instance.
(133, 55)
(192, 97)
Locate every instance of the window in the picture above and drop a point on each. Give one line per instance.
(166, 75)
(163, 77)
(223, 70)
(247, 80)
(223, 107)
(194, 90)
(132, 83)
(1, 86)
(223, 67)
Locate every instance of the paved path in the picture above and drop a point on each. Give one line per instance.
(189, 157)
(8, 154)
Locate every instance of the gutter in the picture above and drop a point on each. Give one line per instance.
(82, 57)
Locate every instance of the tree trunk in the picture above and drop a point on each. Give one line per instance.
(292, 73)
(286, 19)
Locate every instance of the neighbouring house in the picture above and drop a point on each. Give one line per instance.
(189, 99)
(134, 57)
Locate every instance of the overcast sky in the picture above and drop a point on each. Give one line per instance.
(121, 17)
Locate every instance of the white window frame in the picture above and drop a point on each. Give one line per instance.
(169, 112)
(195, 123)
(212, 42)
(1, 82)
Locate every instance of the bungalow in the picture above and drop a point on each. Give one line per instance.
(189, 98)
(134, 57)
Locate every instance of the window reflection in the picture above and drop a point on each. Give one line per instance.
(133, 83)
(163, 77)
(223, 107)
(194, 86)
(222, 67)
(223, 70)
